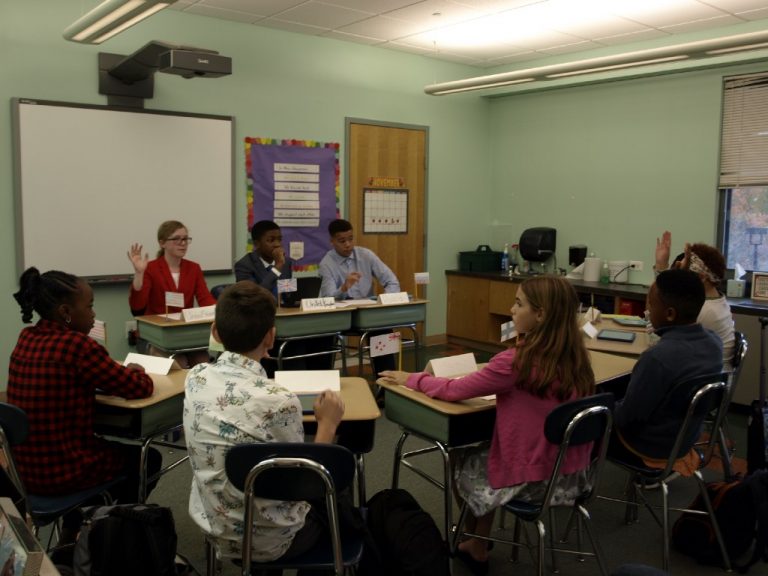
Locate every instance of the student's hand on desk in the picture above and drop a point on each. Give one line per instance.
(395, 376)
(134, 255)
(329, 407)
(135, 367)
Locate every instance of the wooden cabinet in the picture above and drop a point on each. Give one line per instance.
(479, 303)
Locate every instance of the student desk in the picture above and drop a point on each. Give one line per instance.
(378, 317)
(147, 419)
(177, 336)
(633, 349)
(449, 425)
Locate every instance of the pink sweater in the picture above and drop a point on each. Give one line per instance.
(519, 451)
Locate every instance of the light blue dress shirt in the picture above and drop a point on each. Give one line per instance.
(335, 268)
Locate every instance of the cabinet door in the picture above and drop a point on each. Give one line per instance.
(502, 296)
(467, 308)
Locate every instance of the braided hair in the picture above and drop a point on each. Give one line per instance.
(43, 293)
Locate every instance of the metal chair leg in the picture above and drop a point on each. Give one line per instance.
(552, 532)
(713, 520)
(665, 525)
(542, 533)
(586, 519)
(398, 458)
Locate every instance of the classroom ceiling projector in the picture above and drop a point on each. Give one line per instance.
(128, 80)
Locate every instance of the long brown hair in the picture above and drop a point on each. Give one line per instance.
(554, 349)
(164, 232)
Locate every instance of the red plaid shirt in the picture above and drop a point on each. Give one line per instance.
(53, 376)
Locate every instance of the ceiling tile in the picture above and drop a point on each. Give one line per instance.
(383, 27)
(683, 27)
(323, 15)
(293, 26)
(647, 34)
(568, 48)
(223, 14)
(660, 13)
(353, 38)
(260, 7)
(758, 14)
(435, 13)
(373, 6)
(735, 6)
(514, 58)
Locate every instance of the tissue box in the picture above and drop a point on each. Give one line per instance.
(735, 288)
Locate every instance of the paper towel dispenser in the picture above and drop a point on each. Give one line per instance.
(538, 244)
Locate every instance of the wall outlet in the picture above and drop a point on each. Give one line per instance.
(636, 265)
(130, 326)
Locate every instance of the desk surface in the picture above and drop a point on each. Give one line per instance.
(358, 400)
(634, 349)
(605, 366)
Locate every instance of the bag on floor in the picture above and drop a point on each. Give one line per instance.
(406, 540)
(741, 510)
(757, 438)
(125, 540)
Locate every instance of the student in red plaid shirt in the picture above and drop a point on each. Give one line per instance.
(54, 372)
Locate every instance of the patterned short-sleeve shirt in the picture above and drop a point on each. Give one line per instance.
(233, 402)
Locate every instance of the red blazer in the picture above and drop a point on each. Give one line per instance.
(158, 280)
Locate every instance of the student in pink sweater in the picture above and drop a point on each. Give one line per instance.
(547, 365)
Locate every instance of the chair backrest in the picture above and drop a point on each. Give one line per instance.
(737, 363)
(575, 423)
(218, 289)
(697, 397)
(291, 471)
(14, 428)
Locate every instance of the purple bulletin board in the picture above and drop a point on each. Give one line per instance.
(296, 184)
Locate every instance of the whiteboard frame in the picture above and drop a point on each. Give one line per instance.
(211, 219)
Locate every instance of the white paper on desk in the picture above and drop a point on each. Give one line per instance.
(171, 316)
(199, 313)
(452, 366)
(325, 303)
(394, 298)
(152, 364)
(308, 381)
(359, 302)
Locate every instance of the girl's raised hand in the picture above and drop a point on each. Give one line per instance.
(134, 255)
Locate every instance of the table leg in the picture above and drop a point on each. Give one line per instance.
(398, 458)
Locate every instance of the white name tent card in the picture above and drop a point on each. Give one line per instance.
(592, 315)
(303, 382)
(452, 366)
(359, 302)
(326, 303)
(172, 316)
(200, 313)
(421, 277)
(384, 344)
(394, 298)
(287, 285)
(589, 329)
(508, 331)
(152, 364)
(99, 331)
(174, 299)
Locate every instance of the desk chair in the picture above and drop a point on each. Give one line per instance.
(582, 421)
(293, 471)
(696, 398)
(725, 443)
(44, 510)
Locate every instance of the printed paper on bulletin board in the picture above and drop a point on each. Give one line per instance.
(296, 184)
(385, 211)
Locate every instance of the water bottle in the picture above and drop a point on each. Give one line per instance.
(605, 273)
(505, 259)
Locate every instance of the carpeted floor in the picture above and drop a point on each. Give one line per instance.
(636, 543)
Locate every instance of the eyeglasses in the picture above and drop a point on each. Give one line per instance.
(180, 239)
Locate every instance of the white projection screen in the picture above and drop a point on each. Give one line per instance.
(91, 180)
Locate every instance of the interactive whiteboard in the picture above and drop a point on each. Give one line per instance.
(92, 180)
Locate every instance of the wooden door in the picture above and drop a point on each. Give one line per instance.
(388, 157)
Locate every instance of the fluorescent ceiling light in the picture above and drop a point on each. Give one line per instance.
(618, 66)
(112, 17)
(701, 49)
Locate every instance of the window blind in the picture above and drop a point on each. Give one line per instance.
(744, 144)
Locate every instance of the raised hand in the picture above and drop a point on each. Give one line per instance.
(663, 247)
(139, 262)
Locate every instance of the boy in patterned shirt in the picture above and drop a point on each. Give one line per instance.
(233, 402)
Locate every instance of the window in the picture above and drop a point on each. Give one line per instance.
(744, 172)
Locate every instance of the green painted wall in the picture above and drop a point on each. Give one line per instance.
(284, 86)
(611, 165)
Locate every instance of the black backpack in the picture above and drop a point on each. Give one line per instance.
(404, 540)
(741, 509)
(125, 540)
